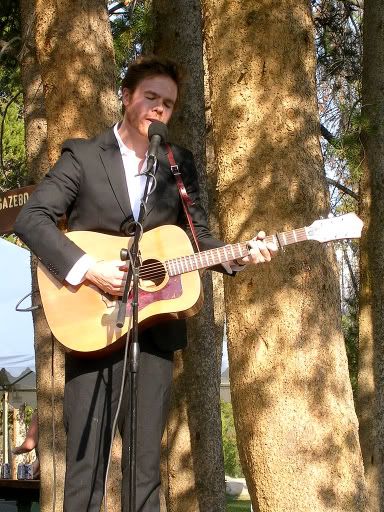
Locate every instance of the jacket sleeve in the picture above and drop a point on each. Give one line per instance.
(36, 224)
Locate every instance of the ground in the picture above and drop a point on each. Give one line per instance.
(238, 505)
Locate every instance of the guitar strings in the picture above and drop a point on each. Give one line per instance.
(158, 269)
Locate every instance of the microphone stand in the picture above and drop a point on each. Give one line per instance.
(132, 254)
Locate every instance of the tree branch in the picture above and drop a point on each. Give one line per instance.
(328, 136)
(359, 4)
(343, 188)
(6, 46)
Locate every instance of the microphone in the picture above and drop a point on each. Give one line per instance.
(157, 133)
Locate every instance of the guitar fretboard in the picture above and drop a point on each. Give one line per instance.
(226, 253)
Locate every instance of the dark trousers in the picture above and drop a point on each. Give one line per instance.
(90, 401)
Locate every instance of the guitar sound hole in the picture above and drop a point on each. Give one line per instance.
(152, 273)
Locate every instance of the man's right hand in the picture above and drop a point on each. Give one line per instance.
(109, 276)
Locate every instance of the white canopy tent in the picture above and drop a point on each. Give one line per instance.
(16, 329)
(17, 356)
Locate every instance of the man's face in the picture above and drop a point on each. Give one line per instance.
(153, 100)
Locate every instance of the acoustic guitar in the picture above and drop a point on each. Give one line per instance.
(83, 318)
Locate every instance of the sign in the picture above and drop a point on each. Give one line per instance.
(11, 203)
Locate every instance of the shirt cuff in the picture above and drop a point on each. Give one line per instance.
(77, 273)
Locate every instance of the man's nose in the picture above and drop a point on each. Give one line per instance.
(159, 107)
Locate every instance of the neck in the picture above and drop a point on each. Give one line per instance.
(133, 139)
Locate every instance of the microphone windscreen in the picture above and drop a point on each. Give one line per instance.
(158, 128)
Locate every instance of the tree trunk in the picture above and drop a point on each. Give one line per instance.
(34, 110)
(37, 163)
(371, 327)
(292, 399)
(195, 481)
(75, 53)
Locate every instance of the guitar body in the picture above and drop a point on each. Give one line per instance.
(83, 319)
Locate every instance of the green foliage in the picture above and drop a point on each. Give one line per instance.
(347, 147)
(338, 26)
(132, 32)
(10, 35)
(14, 168)
(231, 456)
(338, 38)
(238, 505)
(28, 412)
(350, 326)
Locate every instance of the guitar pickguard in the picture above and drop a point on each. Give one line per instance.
(172, 290)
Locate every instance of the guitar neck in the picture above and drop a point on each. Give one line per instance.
(212, 257)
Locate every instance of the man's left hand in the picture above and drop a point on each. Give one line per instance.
(259, 252)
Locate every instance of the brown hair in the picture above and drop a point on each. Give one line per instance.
(149, 66)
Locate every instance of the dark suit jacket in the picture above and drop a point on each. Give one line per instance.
(88, 185)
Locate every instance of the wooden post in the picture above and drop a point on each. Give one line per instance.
(5, 427)
(16, 429)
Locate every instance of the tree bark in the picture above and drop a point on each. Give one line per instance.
(371, 327)
(292, 399)
(38, 164)
(195, 482)
(75, 54)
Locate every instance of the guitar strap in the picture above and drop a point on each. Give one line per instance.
(185, 199)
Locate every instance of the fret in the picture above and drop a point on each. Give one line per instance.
(186, 263)
(240, 249)
(294, 235)
(200, 261)
(280, 240)
(170, 267)
(196, 262)
(182, 264)
(191, 264)
(218, 255)
(210, 256)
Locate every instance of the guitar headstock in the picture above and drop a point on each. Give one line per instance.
(335, 228)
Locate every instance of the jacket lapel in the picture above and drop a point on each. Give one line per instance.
(113, 164)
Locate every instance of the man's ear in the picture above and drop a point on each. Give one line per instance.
(125, 96)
